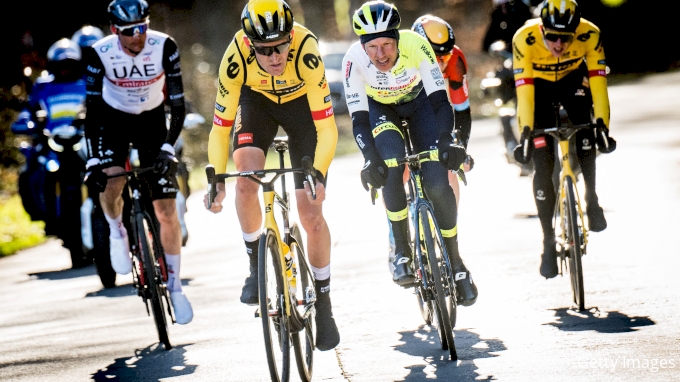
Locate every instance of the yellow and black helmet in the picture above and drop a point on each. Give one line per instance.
(375, 17)
(266, 20)
(437, 31)
(560, 15)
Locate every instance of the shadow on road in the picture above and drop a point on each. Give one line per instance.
(149, 364)
(603, 322)
(469, 345)
(122, 290)
(65, 274)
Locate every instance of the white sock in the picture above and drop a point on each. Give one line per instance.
(250, 237)
(321, 273)
(116, 227)
(172, 264)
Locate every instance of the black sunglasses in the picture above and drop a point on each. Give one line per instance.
(269, 50)
(565, 38)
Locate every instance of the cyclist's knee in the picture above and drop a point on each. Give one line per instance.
(246, 186)
(312, 222)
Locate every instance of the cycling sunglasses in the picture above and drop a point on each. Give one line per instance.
(564, 37)
(269, 50)
(130, 30)
(443, 57)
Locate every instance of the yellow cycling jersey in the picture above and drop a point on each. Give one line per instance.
(304, 74)
(532, 59)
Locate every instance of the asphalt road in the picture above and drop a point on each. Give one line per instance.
(60, 325)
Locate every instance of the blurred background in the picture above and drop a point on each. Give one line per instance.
(637, 34)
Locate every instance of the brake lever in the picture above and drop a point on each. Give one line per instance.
(212, 186)
(309, 172)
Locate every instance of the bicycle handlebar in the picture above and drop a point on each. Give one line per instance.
(306, 168)
(134, 171)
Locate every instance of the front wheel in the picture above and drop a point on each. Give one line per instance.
(574, 242)
(444, 306)
(152, 277)
(272, 308)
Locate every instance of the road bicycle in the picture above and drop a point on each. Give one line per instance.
(434, 286)
(286, 320)
(572, 236)
(149, 272)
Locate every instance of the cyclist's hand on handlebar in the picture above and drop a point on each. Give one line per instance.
(95, 178)
(165, 160)
(216, 206)
(374, 172)
(524, 150)
(320, 193)
(451, 155)
(605, 143)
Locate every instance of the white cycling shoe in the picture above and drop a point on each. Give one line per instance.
(120, 255)
(182, 308)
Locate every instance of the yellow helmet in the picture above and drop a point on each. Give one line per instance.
(560, 15)
(437, 31)
(266, 20)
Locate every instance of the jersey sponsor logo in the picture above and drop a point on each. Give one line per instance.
(237, 122)
(219, 121)
(584, 36)
(360, 142)
(147, 58)
(327, 99)
(524, 81)
(263, 82)
(93, 70)
(149, 71)
(353, 95)
(284, 91)
(220, 108)
(436, 73)
(250, 58)
(518, 54)
(352, 103)
(602, 62)
(539, 142)
(280, 82)
(599, 72)
(322, 114)
(153, 41)
(518, 70)
(232, 69)
(245, 138)
(129, 83)
(348, 72)
(223, 90)
(174, 56)
(530, 39)
(557, 67)
(176, 96)
(427, 53)
(439, 82)
(322, 83)
(311, 61)
(105, 48)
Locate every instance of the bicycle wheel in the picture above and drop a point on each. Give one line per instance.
(303, 341)
(441, 277)
(272, 308)
(152, 277)
(574, 241)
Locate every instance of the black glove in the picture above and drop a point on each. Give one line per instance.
(518, 152)
(605, 143)
(165, 160)
(451, 155)
(470, 161)
(374, 171)
(95, 178)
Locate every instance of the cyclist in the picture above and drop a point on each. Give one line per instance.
(129, 74)
(391, 74)
(272, 74)
(506, 18)
(61, 95)
(86, 36)
(559, 57)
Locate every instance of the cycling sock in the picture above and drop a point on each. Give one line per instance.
(451, 244)
(322, 274)
(172, 263)
(116, 227)
(252, 249)
(323, 289)
(250, 237)
(400, 232)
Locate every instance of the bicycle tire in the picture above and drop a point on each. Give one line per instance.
(574, 239)
(303, 341)
(145, 231)
(270, 288)
(444, 305)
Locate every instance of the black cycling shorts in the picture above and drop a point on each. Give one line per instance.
(146, 132)
(257, 123)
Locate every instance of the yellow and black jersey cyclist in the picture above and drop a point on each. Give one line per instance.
(272, 75)
(560, 57)
(392, 74)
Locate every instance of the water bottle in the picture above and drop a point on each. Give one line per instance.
(291, 270)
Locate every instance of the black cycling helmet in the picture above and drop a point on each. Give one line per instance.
(437, 32)
(124, 12)
(266, 20)
(560, 15)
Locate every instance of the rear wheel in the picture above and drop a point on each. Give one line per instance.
(152, 277)
(574, 242)
(303, 341)
(272, 309)
(444, 302)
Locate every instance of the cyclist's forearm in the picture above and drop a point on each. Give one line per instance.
(442, 110)
(464, 124)
(361, 128)
(177, 114)
(218, 148)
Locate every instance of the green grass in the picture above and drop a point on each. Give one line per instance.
(17, 231)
